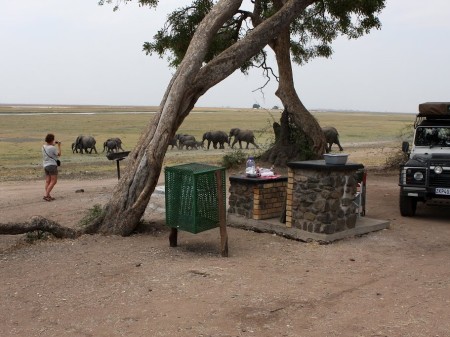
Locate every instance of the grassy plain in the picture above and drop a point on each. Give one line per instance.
(22, 129)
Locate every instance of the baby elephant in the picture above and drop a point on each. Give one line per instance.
(332, 137)
(184, 139)
(191, 144)
(112, 145)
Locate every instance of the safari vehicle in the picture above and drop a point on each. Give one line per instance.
(425, 177)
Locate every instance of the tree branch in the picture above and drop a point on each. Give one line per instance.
(228, 61)
(267, 73)
(42, 224)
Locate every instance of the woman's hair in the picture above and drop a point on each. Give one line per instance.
(49, 138)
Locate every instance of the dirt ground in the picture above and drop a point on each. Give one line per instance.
(391, 283)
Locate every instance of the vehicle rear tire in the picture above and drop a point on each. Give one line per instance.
(408, 205)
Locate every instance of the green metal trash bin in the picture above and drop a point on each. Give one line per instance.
(192, 196)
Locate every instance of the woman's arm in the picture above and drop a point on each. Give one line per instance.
(59, 149)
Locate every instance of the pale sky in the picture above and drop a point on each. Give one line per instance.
(76, 52)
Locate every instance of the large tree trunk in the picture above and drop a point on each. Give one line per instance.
(294, 110)
(132, 194)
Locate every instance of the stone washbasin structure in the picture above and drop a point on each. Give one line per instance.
(316, 201)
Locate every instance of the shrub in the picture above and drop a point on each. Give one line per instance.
(396, 159)
(399, 157)
(92, 214)
(234, 159)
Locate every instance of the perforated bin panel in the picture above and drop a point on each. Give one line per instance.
(192, 200)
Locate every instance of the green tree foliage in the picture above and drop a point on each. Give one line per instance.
(312, 33)
(173, 39)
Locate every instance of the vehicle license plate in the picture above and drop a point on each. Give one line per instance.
(442, 191)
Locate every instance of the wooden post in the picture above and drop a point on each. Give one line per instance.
(222, 215)
(118, 168)
(173, 237)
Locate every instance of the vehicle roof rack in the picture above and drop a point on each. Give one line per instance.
(432, 111)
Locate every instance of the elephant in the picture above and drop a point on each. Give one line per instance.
(216, 137)
(119, 143)
(183, 138)
(174, 142)
(242, 136)
(85, 143)
(332, 137)
(74, 148)
(191, 144)
(112, 145)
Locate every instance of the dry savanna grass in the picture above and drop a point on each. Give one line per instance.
(23, 128)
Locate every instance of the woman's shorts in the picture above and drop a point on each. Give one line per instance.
(51, 170)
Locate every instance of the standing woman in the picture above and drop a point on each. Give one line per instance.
(50, 155)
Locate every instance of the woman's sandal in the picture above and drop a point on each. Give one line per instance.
(47, 198)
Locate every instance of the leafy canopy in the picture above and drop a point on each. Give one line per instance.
(312, 33)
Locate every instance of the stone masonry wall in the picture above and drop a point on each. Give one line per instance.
(321, 201)
(240, 200)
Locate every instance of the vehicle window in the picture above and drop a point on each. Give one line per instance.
(432, 136)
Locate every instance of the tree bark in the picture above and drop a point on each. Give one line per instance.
(39, 223)
(298, 113)
(294, 110)
(132, 194)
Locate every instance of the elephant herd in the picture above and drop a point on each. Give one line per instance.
(86, 144)
(218, 139)
(236, 135)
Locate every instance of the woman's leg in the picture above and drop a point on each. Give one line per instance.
(51, 184)
(47, 182)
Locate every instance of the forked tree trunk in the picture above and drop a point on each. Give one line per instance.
(132, 194)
